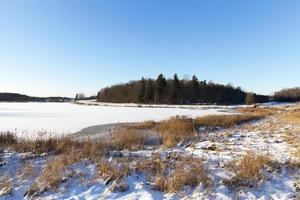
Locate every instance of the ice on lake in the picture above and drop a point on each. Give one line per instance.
(66, 118)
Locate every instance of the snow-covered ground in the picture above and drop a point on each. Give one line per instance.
(65, 118)
(230, 144)
(271, 135)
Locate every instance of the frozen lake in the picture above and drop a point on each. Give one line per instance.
(66, 118)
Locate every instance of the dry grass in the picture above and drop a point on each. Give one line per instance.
(115, 170)
(248, 170)
(56, 145)
(127, 138)
(176, 129)
(53, 174)
(259, 111)
(145, 125)
(189, 173)
(291, 117)
(26, 171)
(88, 148)
(7, 138)
(173, 174)
(225, 121)
(5, 186)
(296, 152)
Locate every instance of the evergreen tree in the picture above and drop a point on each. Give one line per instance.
(141, 93)
(149, 92)
(174, 92)
(160, 88)
(194, 89)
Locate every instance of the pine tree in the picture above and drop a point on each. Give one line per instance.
(149, 92)
(141, 93)
(174, 92)
(194, 88)
(160, 88)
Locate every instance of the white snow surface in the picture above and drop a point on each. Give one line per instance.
(66, 118)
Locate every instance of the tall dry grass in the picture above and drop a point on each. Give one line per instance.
(249, 170)
(127, 138)
(292, 117)
(114, 170)
(259, 111)
(176, 129)
(6, 187)
(224, 121)
(7, 138)
(173, 174)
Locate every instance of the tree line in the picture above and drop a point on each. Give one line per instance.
(175, 91)
(287, 95)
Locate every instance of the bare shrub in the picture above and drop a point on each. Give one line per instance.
(250, 98)
(127, 138)
(248, 170)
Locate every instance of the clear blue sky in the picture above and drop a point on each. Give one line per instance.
(60, 47)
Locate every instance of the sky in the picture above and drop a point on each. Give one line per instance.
(62, 47)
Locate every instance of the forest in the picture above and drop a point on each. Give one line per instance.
(177, 91)
(287, 95)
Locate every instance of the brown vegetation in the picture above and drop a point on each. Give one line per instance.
(258, 111)
(7, 138)
(248, 170)
(54, 173)
(176, 129)
(173, 174)
(114, 170)
(224, 121)
(292, 117)
(26, 171)
(127, 138)
(5, 186)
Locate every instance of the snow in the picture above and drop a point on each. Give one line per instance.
(266, 136)
(65, 118)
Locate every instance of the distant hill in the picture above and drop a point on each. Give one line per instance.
(15, 97)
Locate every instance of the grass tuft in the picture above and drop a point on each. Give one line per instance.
(248, 170)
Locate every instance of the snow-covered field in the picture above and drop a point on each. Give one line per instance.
(273, 136)
(65, 118)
